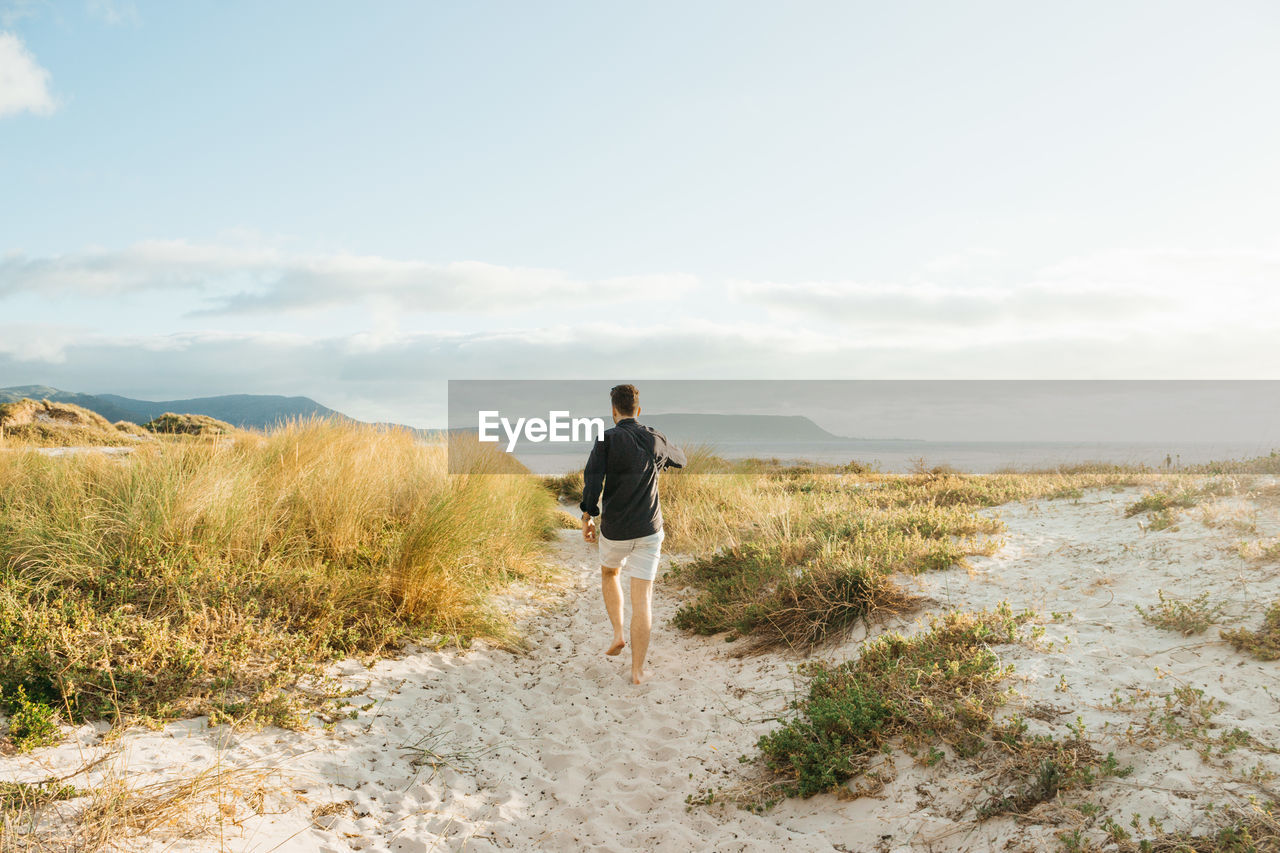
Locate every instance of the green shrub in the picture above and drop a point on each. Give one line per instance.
(32, 723)
(1162, 502)
(1185, 617)
(942, 685)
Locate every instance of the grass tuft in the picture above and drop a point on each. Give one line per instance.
(565, 487)
(175, 424)
(19, 800)
(1161, 501)
(940, 686)
(794, 595)
(1264, 643)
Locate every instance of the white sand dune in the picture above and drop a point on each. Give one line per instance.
(555, 750)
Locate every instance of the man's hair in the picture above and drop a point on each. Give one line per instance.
(625, 398)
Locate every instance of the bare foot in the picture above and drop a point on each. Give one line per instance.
(639, 677)
(616, 648)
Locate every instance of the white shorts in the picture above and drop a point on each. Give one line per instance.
(639, 557)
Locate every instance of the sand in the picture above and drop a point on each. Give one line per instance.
(555, 750)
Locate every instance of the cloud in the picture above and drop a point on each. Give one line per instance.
(113, 11)
(13, 11)
(38, 343)
(24, 85)
(930, 305)
(248, 280)
(402, 377)
(1155, 315)
(1108, 295)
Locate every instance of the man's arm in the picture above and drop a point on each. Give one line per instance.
(674, 457)
(592, 485)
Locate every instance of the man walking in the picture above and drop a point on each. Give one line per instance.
(625, 463)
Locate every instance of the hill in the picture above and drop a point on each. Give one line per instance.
(253, 411)
(698, 428)
(685, 428)
(108, 410)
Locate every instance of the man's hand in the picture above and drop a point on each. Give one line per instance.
(588, 528)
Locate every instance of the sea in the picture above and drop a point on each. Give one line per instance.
(978, 457)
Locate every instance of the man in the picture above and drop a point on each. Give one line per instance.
(625, 462)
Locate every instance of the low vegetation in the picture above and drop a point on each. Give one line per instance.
(32, 724)
(1187, 617)
(1249, 825)
(1039, 768)
(19, 800)
(810, 548)
(199, 577)
(110, 808)
(1261, 550)
(797, 595)
(566, 487)
(1263, 643)
(941, 686)
(932, 693)
(1161, 506)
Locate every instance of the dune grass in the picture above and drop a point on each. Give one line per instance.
(566, 487)
(795, 557)
(184, 424)
(42, 423)
(806, 553)
(799, 595)
(209, 576)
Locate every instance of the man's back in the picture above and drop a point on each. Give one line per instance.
(626, 462)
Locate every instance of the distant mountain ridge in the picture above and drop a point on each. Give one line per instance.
(697, 427)
(701, 428)
(261, 411)
(252, 411)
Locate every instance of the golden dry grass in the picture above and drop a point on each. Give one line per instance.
(208, 576)
(105, 805)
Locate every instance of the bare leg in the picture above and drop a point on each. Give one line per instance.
(611, 587)
(641, 623)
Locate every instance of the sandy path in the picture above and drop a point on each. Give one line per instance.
(578, 756)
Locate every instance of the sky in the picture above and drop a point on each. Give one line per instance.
(358, 202)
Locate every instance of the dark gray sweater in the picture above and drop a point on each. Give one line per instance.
(625, 464)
